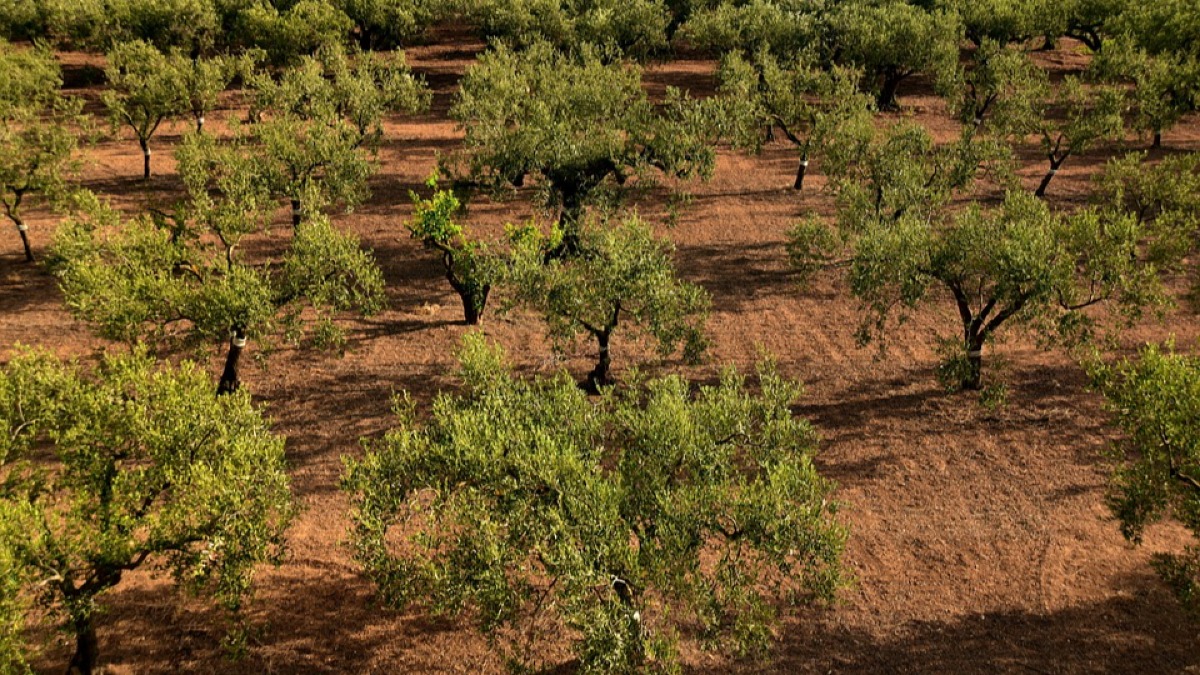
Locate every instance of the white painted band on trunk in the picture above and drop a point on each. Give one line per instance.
(975, 353)
(804, 163)
(978, 121)
(1053, 171)
(239, 342)
(201, 120)
(22, 228)
(146, 153)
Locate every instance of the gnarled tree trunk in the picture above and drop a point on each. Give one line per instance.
(146, 159)
(230, 382)
(599, 375)
(23, 230)
(87, 648)
(801, 170)
(1054, 164)
(887, 92)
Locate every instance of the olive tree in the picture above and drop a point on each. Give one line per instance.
(623, 276)
(1164, 87)
(577, 124)
(1078, 117)
(1019, 263)
(780, 28)
(37, 133)
(1092, 22)
(1007, 22)
(472, 267)
(126, 467)
(389, 24)
(893, 40)
(1156, 464)
(619, 28)
(316, 124)
(288, 32)
(809, 105)
(143, 92)
(1001, 93)
(202, 80)
(1165, 193)
(884, 174)
(184, 278)
(618, 523)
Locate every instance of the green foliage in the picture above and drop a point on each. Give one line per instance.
(1002, 93)
(1156, 401)
(37, 140)
(472, 267)
(1165, 193)
(883, 174)
(1006, 22)
(12, 615)
(183, 278)
(144, 91)
(202, 80)
(317, 121)
(1162, 28)
(622, 276)
(533, 510)
(1092, 21)
(388, 24)
(303, 29)
(1019, 263)
(131, 465)
(575, 123)
(779, 28)
(1078, 118)
(893, 40)
(630, 28)
(813, 107)
(1165, 87)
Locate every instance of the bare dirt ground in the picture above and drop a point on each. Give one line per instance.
(979, 539)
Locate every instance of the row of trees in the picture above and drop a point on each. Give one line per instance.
(135, 465)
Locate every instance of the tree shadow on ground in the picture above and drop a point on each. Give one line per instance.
(1142, 633)
(162, 631)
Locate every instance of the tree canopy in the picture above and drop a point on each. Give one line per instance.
(183, 278)
(577, 124)
(126, 466)
(1156, 474)
(38, 133)
(623, 277)
(316, 123)
(534, 510)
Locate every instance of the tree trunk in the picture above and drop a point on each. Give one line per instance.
(23, 230)
(200, 124)
(1157, 143)
(770, 136)
(146, 160)
(599, 375)
(87, 648)
(973, 378)
(1054, 164)
(568, 222)
(295, 213)
(887, 93)
(473, 303)
(230, 382)
(803, 168)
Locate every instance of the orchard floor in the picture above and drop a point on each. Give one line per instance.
(980, 541)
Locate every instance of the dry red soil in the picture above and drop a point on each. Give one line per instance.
(979, 539)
